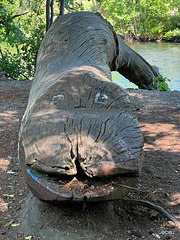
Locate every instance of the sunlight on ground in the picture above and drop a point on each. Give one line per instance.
(8, 114)
(175, 199)
(3, 206)
(161, 137)
(4, 163)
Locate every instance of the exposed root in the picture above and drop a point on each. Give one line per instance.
(134, 202)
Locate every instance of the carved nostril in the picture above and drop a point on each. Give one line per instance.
(80, 172)
(72, 154)
(67, 168)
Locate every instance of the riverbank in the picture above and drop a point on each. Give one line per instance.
(131, 39)
(24, 217)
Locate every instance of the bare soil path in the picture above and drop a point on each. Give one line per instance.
(24, 217)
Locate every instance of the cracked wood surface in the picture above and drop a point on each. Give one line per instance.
(77, 122)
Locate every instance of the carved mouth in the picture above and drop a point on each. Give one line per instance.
(54, 187)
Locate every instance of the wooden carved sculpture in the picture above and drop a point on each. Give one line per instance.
(79, 139)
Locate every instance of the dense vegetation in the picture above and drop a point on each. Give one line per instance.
(149, 19)
(24, 23)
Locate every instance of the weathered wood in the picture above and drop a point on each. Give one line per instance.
(79, 137)
(135, 68)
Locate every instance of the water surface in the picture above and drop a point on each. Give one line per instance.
(166, 56)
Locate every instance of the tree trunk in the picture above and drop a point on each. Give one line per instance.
(79, 138)
(49, 13)
(62, 6)
(52, 11)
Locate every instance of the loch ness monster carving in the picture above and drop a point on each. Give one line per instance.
(79, 138)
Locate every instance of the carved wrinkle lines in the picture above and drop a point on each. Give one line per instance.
(105, 125)
(37, 148)
(111, 103)
(108, 137)
(88, 52)
(100, 129)
(91, 90)
(90, 125)
(85, 41)
(95, 56)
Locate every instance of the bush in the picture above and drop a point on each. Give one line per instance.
(20, 65)
(22, 29)
(172, 33)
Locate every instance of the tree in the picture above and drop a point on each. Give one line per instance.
(22, 25)
(49, 13)
(22, 29)
(62, 7)
(141, 18)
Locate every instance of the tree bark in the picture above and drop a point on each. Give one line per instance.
(135, 68)
(52, 11)
(79, 138)
(49, 13)
(62, 6)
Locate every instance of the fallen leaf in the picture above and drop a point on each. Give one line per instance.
(28, 237)
(8, 195)
(15, 224)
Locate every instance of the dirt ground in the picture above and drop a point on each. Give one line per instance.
(22, 216)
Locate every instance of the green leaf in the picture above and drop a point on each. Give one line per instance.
(28, 237)
(15, 224)
(8, 195)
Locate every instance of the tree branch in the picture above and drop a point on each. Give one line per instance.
(18, 15)
(1, 53)
(15, 16)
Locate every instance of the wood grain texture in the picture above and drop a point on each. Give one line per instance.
(77, 122)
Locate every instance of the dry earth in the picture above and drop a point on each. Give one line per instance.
(22, 216)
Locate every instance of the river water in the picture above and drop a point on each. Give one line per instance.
(166, 56)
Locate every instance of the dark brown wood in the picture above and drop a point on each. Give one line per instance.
(79, 134)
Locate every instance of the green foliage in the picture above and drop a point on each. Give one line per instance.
(9, 30)
(22, 32)
(160, 83)
(143, 18)
(172, 33)
(22, 25)
(20, 65)
(84, 5)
